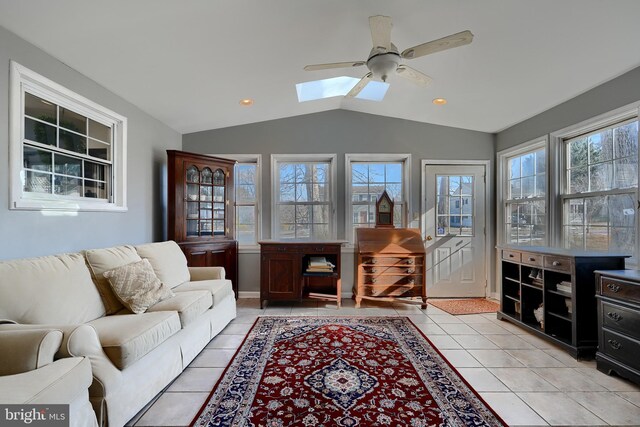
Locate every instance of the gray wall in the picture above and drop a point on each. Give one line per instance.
(613, 94)
(340, 132)
(30, 233)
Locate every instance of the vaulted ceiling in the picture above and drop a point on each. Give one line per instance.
(189, 63)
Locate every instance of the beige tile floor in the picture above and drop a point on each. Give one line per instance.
(526, 380)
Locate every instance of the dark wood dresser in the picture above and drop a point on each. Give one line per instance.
(618, 294)
(389, 265)
(560, 281)
(284, 274)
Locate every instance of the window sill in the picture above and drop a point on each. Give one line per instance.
(65, 206)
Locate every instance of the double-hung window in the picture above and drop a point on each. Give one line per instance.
(600, 188)
(303, 197)
(66, 151)
(524, 195)
(368, 175)
(247, 186)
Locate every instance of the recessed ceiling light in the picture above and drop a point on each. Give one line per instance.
(247, 102)
(439, 101)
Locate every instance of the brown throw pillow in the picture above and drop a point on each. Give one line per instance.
(137, 286)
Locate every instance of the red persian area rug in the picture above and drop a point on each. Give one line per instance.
(341, 371)
(465, 306)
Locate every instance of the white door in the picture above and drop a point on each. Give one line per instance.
(455, 230)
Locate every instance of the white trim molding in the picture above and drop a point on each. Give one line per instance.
(23, 79)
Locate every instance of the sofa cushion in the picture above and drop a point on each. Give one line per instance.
(125, 338)
(167, 261)
(189, 305)
(27, 350)
(49, 290)
(219, 289)
(101, 260)
(137, 286)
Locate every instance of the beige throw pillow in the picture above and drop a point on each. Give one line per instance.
(137, 286)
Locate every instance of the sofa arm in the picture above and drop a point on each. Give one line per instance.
(82, 341)
(27, 350)
(206, 273)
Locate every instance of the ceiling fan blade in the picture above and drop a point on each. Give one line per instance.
(380, 31)
(359, 86)
(413, 75)
(448, 42)
(334, 65)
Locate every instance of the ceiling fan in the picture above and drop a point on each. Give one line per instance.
(385, 58)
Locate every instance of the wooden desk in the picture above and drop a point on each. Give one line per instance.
(283, 275)
(389, 265)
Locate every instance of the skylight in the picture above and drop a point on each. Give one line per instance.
(339, 86)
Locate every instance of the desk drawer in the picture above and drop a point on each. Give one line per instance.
(511, 256)
(619, 289)
(391, 279)
(393, 291)
(391, 260)
(531, 259)
(557, 263)
(279, 248)
(620, 319)
(382, 269)
(621, 348)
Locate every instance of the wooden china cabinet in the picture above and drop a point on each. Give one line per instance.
(201, 210)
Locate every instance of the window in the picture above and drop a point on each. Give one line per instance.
(600, 188)
(66, 151)
(524, 199)
(368, 175)
(454, 205)
(303, 197)
(247, 179)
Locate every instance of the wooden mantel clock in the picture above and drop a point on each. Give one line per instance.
(384, 211)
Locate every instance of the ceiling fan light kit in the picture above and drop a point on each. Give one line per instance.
(385, 59)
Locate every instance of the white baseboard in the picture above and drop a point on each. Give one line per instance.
(248, 294)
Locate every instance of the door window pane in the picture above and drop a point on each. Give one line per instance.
(454, 208)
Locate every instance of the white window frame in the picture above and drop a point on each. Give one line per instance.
(350, 158)
(276, 159)
(502, 189)
(557, 144)
(21, 79)
(257, 160)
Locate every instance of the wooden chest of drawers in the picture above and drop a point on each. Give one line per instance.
(618, 294)
(389, 264)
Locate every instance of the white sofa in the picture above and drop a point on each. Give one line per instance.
(133, 356)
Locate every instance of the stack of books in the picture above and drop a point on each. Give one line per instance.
(319, 264)
(564, 286)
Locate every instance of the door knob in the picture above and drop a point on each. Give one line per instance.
(429, 238)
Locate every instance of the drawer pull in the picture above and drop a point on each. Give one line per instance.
(410, 270)
(614, 316)
(373, 261)
(614, 344)
(531, 259)
(373, 280)
(410, 261)
(282, 249)
(612, 287)
(319, 249)
(556, 263)
(512, 256)
(373, 270)
(411, 281)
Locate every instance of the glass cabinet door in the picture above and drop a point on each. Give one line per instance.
(205, 202)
